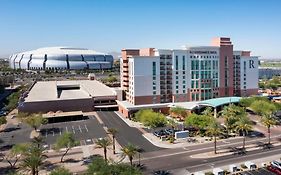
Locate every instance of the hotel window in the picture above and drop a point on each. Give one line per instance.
(154, 88)
(177, 82)
(183, 77)
(183, 62)
(183, 91)
(177, 63)
(183, 82)
(177, 91)
(183, 86)
(177, 87)
(177, 77)
(154, 92)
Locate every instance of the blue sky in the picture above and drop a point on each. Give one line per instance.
(110, 25)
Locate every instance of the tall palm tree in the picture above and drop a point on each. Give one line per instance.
(113, 132)
(130, 151)
(214, 130)
(33, 159)
(244, 125)
(103, 143)
(173, 125)
(268, 121)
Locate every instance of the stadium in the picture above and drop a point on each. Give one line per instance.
(61, 58)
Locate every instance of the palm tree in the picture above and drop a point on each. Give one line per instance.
(214, 130)
(33, 159)
(268, 121)
(244, 125)
(103, 143)
(130, 151)
(113, 132)
(208, 112)
(173, 125)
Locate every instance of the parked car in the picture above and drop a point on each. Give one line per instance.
(3, 113)
(161, 172)
(160, 133)
(276, 164)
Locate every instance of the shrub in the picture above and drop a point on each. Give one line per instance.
(150, 118)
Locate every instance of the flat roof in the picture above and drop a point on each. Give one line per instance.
(64, 90)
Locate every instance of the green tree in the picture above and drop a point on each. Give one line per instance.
(214, 130)
(101, 167)
(15, 154)
(200, 121)
(243, 125)
(150, 118)
(103, 143)
(60, 171)
(3, 120)
(130, 151)
(268, 121)
(178, 112)
(231, 115)
(208, 112)
(34, 120)
(261, 107)
(66, 140)
(33, 159)
(113, 132)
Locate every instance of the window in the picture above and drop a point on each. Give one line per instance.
(183, 77)
(154, 92)
(177, 82)
(177, 87)
(183, 82)
(183, 86)
(154, 88)
(154, 68)
(177, 63)
(183, 91)
(177, 91)
(177, 77)
(183, 62)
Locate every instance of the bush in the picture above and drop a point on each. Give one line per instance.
(150, 118)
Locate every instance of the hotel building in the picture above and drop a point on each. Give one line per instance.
(155, 76)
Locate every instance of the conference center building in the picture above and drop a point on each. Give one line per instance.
(60, 58)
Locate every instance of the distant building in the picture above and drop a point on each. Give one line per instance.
(60, 58)
(269, 72)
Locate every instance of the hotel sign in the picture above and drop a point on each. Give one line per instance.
(203, 52)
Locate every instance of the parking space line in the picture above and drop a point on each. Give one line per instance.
(46, 134)
(73, 130)
(53, 133)
(80, 128)
(66, 129)
(86, 128)
(60, 130)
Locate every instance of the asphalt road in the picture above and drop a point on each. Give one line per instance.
(179, 160)
(14, 134)
(126, 134)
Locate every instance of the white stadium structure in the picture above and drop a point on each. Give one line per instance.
(59, 58)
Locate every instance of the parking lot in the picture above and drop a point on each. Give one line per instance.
(85, 131)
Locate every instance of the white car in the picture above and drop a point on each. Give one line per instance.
(276, 164)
